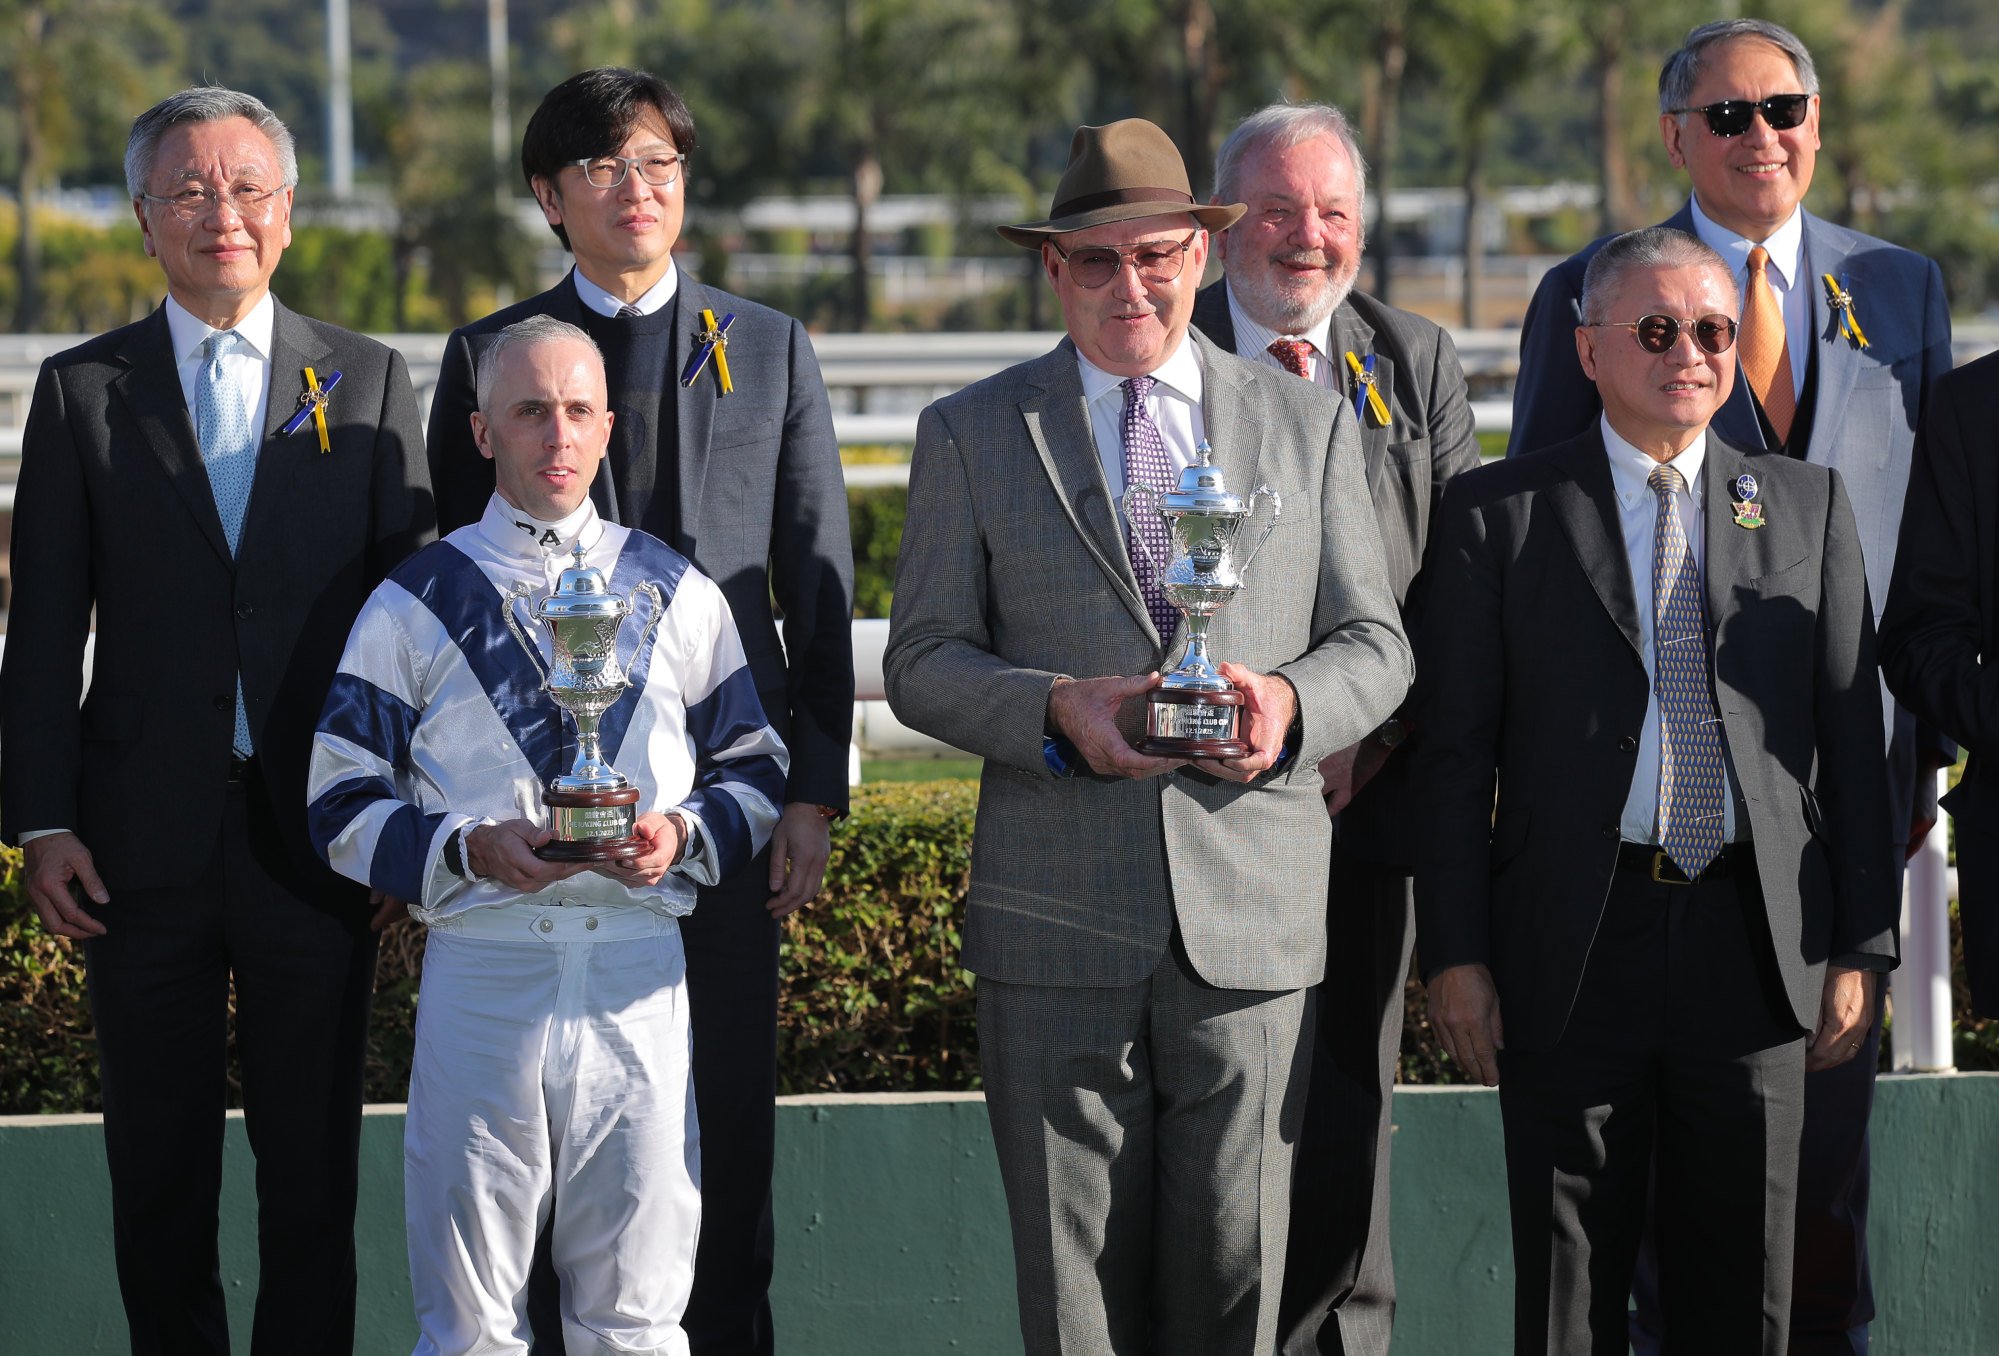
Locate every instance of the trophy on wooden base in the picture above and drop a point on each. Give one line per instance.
(1195, 712)
(592, 806)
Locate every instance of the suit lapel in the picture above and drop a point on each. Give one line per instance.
(1586, 506)
(1839, 362)
(294, 347)
(1058, 426)
(1352, 334)
(694, 408)
(150, 388)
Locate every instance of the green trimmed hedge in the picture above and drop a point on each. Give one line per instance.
(872, 999)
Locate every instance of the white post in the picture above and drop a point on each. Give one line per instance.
(1921, 987)
(339, 103)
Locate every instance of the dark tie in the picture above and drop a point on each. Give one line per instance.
(1294, 355)
(1146, 463)
(629, 312)
(1690, 779)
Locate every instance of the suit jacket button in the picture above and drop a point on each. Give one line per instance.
(1610, 831)
(243, 611)
(1627, 743)
(220, 703)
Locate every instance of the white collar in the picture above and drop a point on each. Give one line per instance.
(1252, 336)
(649, 301)
(187, 332)
(1785, 245)
(1180, 374)
(522, 534)
(1631, 470)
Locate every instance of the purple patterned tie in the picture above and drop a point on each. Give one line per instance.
(1146, 463)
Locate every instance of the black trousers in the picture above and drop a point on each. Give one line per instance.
(1339, 1275)
(1680, 1048)
(731, 943)
(159, 987)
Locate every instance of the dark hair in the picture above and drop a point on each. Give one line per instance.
(591, 114)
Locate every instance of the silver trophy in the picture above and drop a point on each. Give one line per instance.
(592, 805)
(1194, 713)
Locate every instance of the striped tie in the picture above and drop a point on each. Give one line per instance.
(1766, 356)
(1146, 463)
(1690, 776)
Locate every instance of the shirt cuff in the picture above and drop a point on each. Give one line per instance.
(1861, 960)
(32, 834)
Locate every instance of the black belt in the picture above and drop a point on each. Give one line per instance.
(1651, 860)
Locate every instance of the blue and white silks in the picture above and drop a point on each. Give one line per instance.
(436, 717)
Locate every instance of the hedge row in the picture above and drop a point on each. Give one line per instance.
(872, 997)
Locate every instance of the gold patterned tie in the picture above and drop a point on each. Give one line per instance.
(1766, 357)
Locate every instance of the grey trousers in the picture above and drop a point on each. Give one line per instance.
(1145, 1137)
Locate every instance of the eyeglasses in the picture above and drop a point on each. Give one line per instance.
(608, 171)
(1659, 333)
(195, 201)
(1731, 117)
(1156, 261)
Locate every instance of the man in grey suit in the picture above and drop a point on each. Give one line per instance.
(730, 459)
(1144, 930)
(177, 486)
(1288, 302)
(1657, 651)
(1857, 330)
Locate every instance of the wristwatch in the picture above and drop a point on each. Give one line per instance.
(1390, 733)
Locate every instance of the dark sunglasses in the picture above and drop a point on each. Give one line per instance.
(1156, 261)
(1659, 333)
(1731, 117)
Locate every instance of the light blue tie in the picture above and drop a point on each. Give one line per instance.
(1690, 777)
(229, 451)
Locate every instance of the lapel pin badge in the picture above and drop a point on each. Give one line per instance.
(1841, 301)
(1748, 512)
(312, 405)
(1366, 390)
(712, 341)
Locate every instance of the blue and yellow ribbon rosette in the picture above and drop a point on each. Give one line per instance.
(1365, 392)
(1841, 300)
(712, 341)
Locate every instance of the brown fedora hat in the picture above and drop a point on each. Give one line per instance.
(1120, 172)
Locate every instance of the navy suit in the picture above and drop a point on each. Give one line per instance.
(1858, 416)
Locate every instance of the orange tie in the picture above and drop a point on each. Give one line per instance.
(1766, 357)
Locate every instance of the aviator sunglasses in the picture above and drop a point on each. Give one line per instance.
(1658, 333)
(1731, 117)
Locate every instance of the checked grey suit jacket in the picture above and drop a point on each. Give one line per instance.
(1533, 685)
(1014, 571)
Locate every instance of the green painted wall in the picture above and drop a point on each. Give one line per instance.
(892, 1235)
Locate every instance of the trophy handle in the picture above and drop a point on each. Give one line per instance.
(652, 593)
(1276, 512)
(1129, 501)
(521, 593)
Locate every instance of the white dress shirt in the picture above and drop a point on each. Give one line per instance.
(247, 367)
(603, 303)
(1174, 404)
(1253, 340)
(1786, 247)
(1638, 515)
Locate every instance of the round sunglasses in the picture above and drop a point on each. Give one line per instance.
(1731, 117)
(1659, 333)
